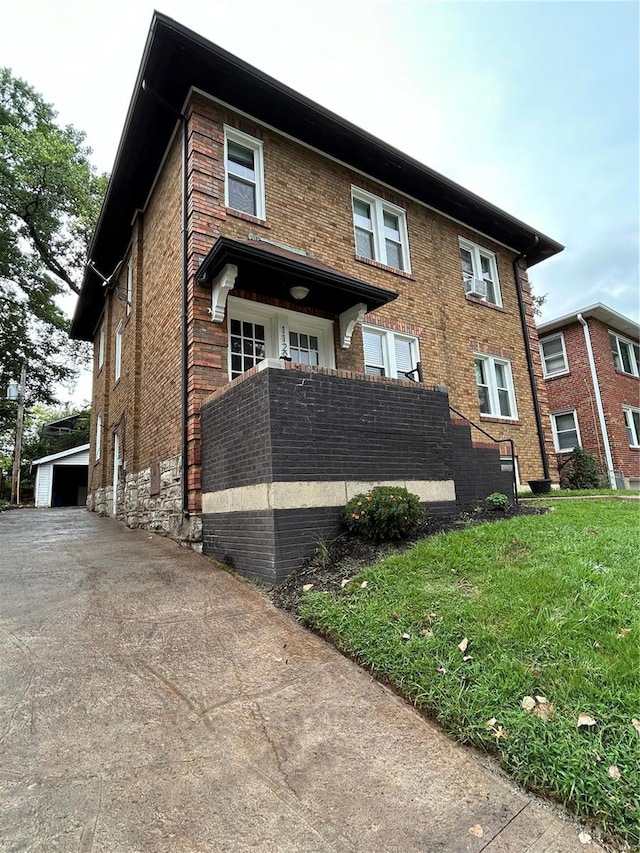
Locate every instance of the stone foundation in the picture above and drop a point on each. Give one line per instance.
(161, 513)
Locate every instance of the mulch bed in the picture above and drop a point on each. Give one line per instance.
(346, 555)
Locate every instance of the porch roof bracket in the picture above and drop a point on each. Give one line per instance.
(221, 285)
(348, 320)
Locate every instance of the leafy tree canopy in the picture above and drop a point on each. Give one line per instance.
(50, 196)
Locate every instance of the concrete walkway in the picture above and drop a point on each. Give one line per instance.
(151, 702)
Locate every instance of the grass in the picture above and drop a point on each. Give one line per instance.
(548, 605)
(580, 493)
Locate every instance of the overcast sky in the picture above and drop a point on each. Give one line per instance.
(532, 105)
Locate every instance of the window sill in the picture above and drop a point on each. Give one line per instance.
(401, 273)
(495, 419)
(246, 217)
(547, 378)
(624, 373)
(475, 301)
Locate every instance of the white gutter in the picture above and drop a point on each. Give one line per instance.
(596, 387)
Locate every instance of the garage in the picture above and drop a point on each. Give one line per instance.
(61, 479)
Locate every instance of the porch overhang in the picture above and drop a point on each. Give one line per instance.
(272, 271)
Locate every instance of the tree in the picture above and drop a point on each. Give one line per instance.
(50, 196)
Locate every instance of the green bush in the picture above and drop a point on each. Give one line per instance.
(580, 471)
(497, 501)
(386, 512)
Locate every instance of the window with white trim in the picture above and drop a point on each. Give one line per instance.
(380, 230)
(129, 285)
(479, 272)
(626, 354)
(389, 353)
(244, 173)
(118, 352)
(259, 331)
(496, 393)
(101, 341)
(554, 355)
(564, 426)
(98, 443)
(632, 422)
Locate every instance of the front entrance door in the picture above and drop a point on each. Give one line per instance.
(116, 470)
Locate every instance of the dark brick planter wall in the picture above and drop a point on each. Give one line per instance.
(477, 470)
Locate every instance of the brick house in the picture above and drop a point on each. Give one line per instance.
(283, 307)
(591, 365)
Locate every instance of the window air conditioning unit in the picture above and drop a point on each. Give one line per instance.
(477, 287)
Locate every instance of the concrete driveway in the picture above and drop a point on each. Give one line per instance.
(152, 702)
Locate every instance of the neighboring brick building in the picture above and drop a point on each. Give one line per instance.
(591, 362)
(244, 222)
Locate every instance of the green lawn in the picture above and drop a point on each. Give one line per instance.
(549, 608)
(576, 493)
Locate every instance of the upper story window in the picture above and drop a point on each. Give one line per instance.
(554, 355)
(118, 352)
(129, 285)
(389, 354)
(480, 272)
(564, 426)
(626, 354)
(244, 173)
(380, 231)
(101, 341)
(98, 444)
(495, 387)
(259, 331)
(632, 422)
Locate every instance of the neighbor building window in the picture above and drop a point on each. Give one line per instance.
(118, 352)
(554, 356)
(101, 339)
(390, 354)
(495, 387)
(98, 444)
(129, 285)
(564, 426)
(244, 173)
(380, 231)
(479, 272)
(626, 354)
(632, 421)
(259, 331)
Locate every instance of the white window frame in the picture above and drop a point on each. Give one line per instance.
(256, 146)
(547, 373)
(278, 322)
(101, 343)
(633, 345)
(632, 433)
(98, 442)
(129, 285)
(378, 207)
(492, 386)
(118, 353)
(554, 430)
(477, 252)
(389, 338)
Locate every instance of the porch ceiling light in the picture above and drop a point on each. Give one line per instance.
(299, 292)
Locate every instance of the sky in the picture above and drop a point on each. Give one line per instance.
(532, 105)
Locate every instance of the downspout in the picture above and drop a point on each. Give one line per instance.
(527, 347)
(185, 304)
(596, 387)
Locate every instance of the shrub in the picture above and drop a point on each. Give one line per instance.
(385, 512)
(580, 471)
(497, 501)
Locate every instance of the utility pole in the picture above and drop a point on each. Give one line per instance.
(17, 450)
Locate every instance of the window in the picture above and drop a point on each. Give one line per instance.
(98, 436)
(632, 421)
(495, 387)
(118, 364)
(260, 331)
(389, 354)
(380, 231)
(129, 285)
(626, 354)
(564, 426)
(244, 175)
(101, 335)
(554, 356)
(480, 272)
